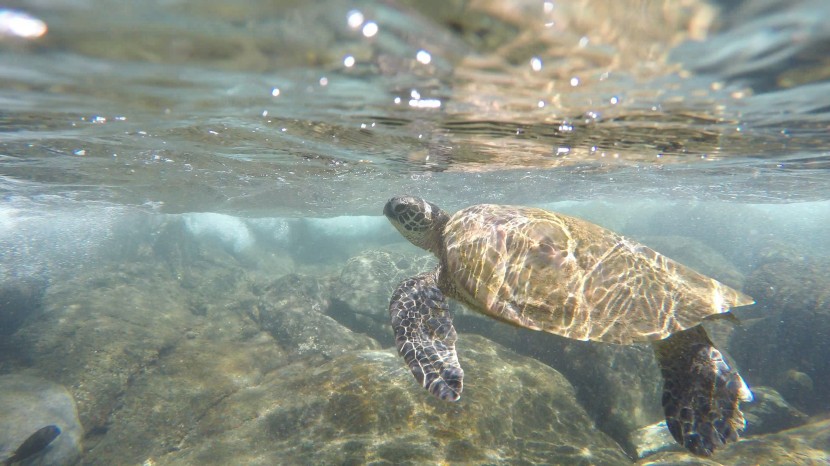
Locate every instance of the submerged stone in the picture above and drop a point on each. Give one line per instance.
(364, 407)
(770, 412)
(99, 330)
(808, 445)
(159, 409)
(293, 309)
(27, 405)
(618, 385)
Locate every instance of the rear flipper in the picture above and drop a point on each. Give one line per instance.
(425, 336)
(701, 393)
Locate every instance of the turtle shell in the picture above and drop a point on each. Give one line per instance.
(547, 271)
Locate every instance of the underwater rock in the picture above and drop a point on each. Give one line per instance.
(653, 438)
(164, 403)
(20, 299)
(770, 413)
(98, 330)
(620, 386)
(365, 407)
(808, 445)
(360, 296)
(786, 347)
(292, 309)
(27, 404)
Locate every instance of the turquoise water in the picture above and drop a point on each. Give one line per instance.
(191, 238)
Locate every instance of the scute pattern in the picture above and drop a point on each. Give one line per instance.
(701, 393)
(547, 271)
(552, 272)
(425, 336)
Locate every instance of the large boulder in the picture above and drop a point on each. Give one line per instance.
(807, 445)
(99, 330)
(102, 330)
(364, 406)
(619, 386)
(29, 403)
(769, 412)
(157, 412)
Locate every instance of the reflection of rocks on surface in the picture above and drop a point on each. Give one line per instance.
(788, 349)
(364, 406)
(29, 403)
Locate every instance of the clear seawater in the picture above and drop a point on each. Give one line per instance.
(271, 133)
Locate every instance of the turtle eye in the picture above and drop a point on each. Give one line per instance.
(399, 208)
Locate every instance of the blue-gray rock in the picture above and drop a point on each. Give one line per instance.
(27, 404)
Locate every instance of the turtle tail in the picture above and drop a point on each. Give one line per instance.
(425, 336)
(701, 393)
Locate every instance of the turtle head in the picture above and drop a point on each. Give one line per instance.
(419, 221)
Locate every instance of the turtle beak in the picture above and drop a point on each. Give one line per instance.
(392, 210)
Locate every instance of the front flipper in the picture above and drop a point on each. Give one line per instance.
(701, 393)
(425, 336)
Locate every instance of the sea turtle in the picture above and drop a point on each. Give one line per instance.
(548, 271)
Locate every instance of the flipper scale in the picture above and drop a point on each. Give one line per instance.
(425, 336)
(701, 393)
